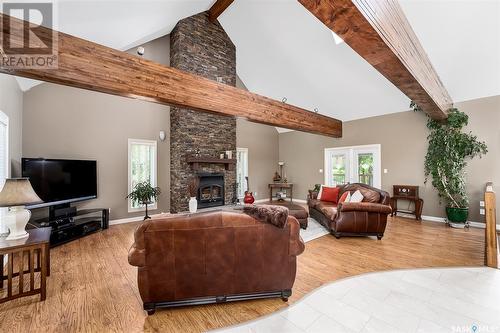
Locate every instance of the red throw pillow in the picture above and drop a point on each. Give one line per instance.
(344, 196)
(330, 194)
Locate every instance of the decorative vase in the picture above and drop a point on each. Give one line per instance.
(16, 220)
(4, 231)
(457, 216)
(193, 205)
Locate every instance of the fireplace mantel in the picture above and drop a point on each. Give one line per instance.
(195, 161)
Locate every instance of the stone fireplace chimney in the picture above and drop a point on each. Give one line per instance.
(200, 47)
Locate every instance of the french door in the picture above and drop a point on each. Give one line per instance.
(358, 164)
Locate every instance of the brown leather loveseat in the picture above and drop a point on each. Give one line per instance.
(367, 218)
(213, 257)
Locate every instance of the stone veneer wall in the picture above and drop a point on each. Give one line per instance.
(203, 48)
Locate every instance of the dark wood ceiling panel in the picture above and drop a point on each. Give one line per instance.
(379, 31)
(87, 65)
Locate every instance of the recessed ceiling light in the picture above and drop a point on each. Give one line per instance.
(337, 39)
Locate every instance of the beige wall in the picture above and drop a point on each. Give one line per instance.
(157, 50)
(403, 142)
(262, 144)
(263, 151)
(63, 122)
(11, 103)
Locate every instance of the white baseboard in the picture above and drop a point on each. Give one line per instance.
(126, 220)
(300, 200)
(444, 220)
(481, 225)
(424, 217)
(261, 201)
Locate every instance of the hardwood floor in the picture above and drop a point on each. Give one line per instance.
(92, 288)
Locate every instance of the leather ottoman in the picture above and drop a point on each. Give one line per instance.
(297, 211)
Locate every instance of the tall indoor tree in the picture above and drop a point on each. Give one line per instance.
(450, 148)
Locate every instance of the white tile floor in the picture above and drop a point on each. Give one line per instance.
(426, 300)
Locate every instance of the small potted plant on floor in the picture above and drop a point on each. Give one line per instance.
(446, 159)
(144, 194)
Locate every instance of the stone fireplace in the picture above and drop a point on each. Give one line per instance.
(201, 47)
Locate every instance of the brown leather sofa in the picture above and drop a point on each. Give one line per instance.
(212, 258)
(367, 218)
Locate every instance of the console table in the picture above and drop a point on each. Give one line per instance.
(408, 193)
(281, 186)
(36, 248)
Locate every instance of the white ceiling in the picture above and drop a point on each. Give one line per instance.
(284, 51)
(289, 53)
(462, 39)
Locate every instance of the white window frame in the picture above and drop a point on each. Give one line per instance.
(245, 167)
(352, 162)
(4, 119)
(154, 144)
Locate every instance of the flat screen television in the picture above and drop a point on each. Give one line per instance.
(60, 182)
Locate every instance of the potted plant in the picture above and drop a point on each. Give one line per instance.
(193, 191)
(449, 150)
(144, 194)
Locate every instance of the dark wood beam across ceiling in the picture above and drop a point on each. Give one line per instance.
(218, 8)
(87, 65)
(379, 31)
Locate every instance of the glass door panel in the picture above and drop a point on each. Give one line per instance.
(339, 169)
(359, 164)
(365, 168)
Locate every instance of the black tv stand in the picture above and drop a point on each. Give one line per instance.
(61, 211)
(74, 224)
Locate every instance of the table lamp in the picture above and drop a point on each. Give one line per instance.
(17, 193)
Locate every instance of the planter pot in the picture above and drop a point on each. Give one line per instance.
(457, 215)
(193, 205)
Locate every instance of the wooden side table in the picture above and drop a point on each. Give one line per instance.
(281, 186)
(37, 248)
(408, 193)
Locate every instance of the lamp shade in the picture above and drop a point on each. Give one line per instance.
(18, 192)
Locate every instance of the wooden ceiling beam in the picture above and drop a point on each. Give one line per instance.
(218, 8)
(87, 65)
(380, 33)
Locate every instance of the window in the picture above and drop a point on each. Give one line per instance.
(4, 148)
(142, 166)
(359, 164)
(241, 170)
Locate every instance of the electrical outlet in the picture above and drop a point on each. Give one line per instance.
(385, 170)
(481, 203)
(482, 211)
(320, 170)
(255, 194)
(219, 79)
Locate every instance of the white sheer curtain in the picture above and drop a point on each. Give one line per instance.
(4, 164)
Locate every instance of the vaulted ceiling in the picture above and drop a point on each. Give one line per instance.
(284, 51)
